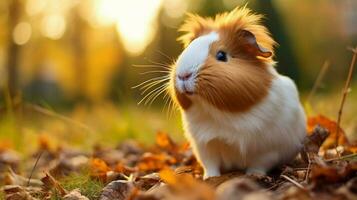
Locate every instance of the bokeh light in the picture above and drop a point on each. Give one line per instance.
(22, 33)
(53, 26)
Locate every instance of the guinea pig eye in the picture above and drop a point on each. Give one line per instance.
(221, 56)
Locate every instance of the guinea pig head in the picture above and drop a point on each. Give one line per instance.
(224, 63)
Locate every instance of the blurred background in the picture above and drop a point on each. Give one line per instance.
(66, 67)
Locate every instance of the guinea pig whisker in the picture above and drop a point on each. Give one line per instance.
(153, 93)
(166, 99)
(149, 94)
(171, 108)
(150, 85)
(158, 63)
(153, 66)
(155, 71)
(166, 56)
(153, 83)
(157, 94)
(147, 81)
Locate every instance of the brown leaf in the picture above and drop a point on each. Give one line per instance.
(16, 192)
(349, 191)
(67, 165)
(334, 172)
(11, 178)
(9, 158)
(217, 180)
(49, 183)
(75, 195)
(294, 193)
(120, 189)
(148, 181)
(240, 188)
(314, 141)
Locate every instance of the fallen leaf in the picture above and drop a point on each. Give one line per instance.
(75, 195)
(49, 183)
(179, 184)
(165, 142)
(331, 126)
(99, 169)
(16, 192)
(120, 190)
(334, 172)
(349, 191)
(11, 178)
(241, 188)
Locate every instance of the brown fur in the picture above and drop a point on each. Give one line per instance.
(242, 81)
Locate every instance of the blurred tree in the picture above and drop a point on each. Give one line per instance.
(15, 12)
(77, 38)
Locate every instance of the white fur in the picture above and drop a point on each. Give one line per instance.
(191, 59)
(269, 134)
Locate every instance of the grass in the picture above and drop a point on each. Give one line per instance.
(105, 124)
(88, 187)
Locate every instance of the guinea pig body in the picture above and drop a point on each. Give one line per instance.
(271, 133)
(237, 111)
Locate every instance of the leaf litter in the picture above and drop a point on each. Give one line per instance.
(168, 170)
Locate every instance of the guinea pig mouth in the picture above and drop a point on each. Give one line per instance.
(186, 91)
(185, 87)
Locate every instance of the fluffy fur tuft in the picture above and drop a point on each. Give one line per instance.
(238, 19)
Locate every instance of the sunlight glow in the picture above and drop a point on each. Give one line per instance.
(135, 21)
(34, 7)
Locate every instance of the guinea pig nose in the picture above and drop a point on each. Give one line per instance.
(184, 76)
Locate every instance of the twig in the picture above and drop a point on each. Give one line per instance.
(34, 167)
(342, 158)
(344, 95)
(275, 186)
(308, 168)
(293, 181)
(318, 80)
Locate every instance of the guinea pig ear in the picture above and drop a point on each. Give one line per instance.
(252, 47)
(193, 27)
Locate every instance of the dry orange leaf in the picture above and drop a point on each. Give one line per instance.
(5, 145)
(153, 162)
(164, 141)
(44, 142)
(98, 168)
(331, 126)
(179, 184)
(121, 168)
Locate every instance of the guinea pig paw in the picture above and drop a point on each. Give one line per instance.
(210, 173)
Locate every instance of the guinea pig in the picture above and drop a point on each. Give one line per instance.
(238, 112)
